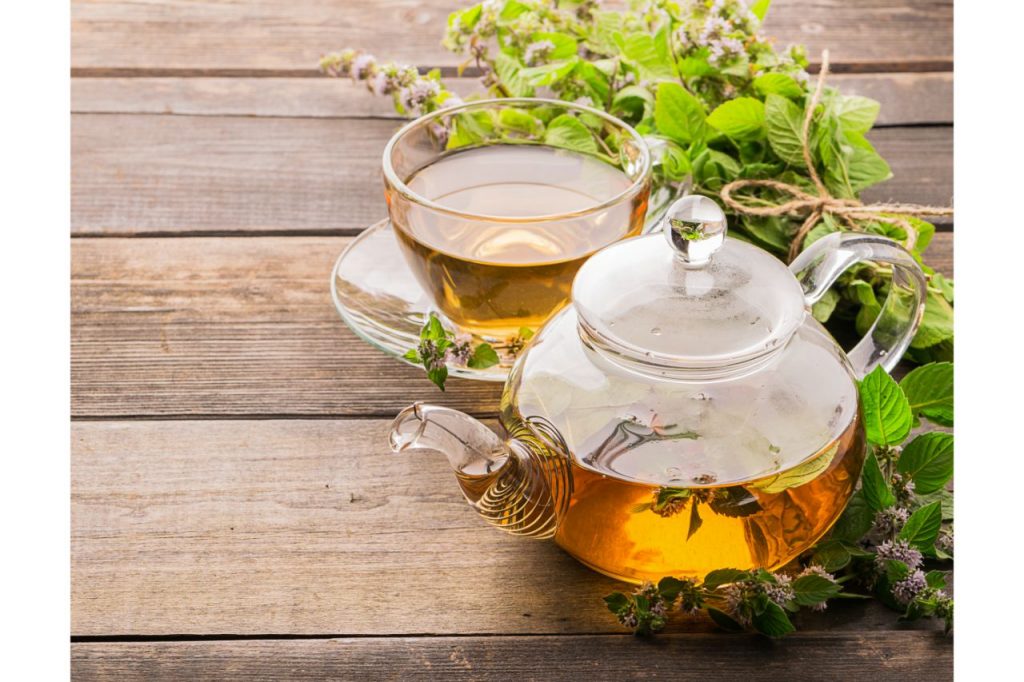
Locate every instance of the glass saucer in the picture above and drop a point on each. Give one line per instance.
(379, 298)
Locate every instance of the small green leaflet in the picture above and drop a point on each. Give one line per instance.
(928, 460)
(519, 121)
(483, 357)
(877, 493)
(651, 55)
(784, 121)
(678, 114)
(922, 527)
(937, 322)
(760, 9)
(778, 84)
(773, 621)
(567, 132)
(857, 114)
(565, 45)
(813, 589)
(887, 415)
(741, 118)
(930, 391)
(855, 520)
(510, 71)
(865, 168)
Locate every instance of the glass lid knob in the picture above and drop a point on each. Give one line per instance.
(695, 226)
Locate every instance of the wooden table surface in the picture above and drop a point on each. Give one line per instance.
(236, 512)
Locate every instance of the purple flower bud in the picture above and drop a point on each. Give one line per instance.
(900, 550)
(905, 590)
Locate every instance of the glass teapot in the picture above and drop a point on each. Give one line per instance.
(685, 412)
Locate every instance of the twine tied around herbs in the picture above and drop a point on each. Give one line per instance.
(816, 206)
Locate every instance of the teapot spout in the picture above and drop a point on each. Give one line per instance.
(501, 480)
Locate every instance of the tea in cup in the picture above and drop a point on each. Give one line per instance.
(496, 204)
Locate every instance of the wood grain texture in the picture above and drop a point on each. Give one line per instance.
(315, 527)
(819, 656)
(906, 98)
(289, 36)
(142, 174)
(219, 326)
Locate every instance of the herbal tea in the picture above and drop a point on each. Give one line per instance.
(511, 265)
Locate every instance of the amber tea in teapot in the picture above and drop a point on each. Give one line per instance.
(685, 413)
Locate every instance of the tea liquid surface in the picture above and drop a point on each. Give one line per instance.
(495, 275)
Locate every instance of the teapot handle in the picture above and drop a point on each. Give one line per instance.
(821, 264)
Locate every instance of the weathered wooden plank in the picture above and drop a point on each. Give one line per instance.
(283, 36)
(878, 655)
(144, 174)
(907, 98)
(314, 527)
(220, 326)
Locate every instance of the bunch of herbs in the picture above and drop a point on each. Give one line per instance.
(715, 100)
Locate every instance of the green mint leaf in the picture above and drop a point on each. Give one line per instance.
(943, 497)
(483, 357)
(760, 9)
(567, 132)
(826, 305)
(784, 121)
(651, 55)
(513, 8)
(896, 570)
(724, 576)
(549, 74)
(866, 168)
(928, 460)
(525, 333)
(695, 67)
(740, 119)
(945, 285)
(922, 527)
(601, 37)
(433, 329)
(438, 376)
(678, 114)
(669, 588)
(616, 602)
(470, 128)
(778, 84)
(773, 621)
(695, 521)
(724, 620)
(814, 589)
(936, 324)
(856, 520)
(510, 73)
(468, 17)
(413, 356)
(519, 121)
(565, 45)
(877, 493)
(857, 114)
(887, 415)
(936, 579)
(869, 305)
(831, 555)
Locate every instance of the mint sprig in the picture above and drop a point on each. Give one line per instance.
(439, 346)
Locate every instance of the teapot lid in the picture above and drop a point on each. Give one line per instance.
(689, 299)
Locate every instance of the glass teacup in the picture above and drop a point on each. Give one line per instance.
(497, 203)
